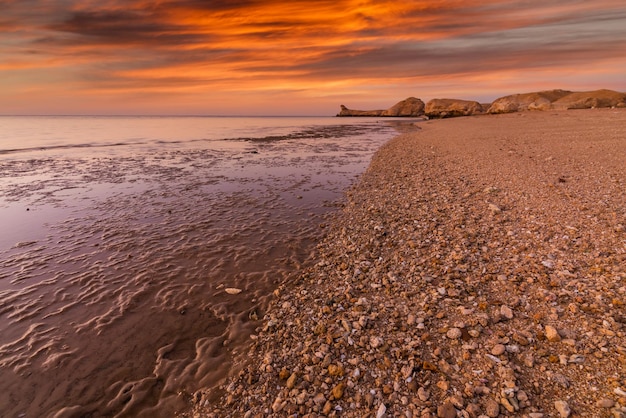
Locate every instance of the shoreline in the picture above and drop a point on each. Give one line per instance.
(477, 268)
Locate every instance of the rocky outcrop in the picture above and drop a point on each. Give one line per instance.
(410, 107)
(449, 108)
(591, 100)
(541, 100)
(350, 112)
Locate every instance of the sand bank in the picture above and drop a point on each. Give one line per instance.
(478, 268)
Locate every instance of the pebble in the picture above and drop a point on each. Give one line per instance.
(494, 208)
(447, 410)
(376, 342)
(492, 408)
(382, 409)
(605, 403)
(291, 381)
(278, 405)
(562, 408)
(338, 390)
(619, 392)
(498, 349)
(506, 312)
(423, 394)
(454, 333)
(552, 334)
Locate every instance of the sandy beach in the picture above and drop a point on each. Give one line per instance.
(478, 268)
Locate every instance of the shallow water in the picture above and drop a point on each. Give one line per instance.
(120, 237)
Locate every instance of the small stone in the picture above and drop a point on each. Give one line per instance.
(376, 342)
(506, 312)
(423, 394)
(327, 408)
(492, 408)
(507, 405)
(473, 410)
(454, 333)
(457, 401)
(498, 349)
(407, 370)
(291, 382)
(319, 329)
(619, 392)
(576, 359)
(562, 408)
(446, 410)
(335, 370)
(319, 399)
(512, 348)
(522, 396)
(552, 334)
(381, 411)
(284, 374)
(561, 380)
(278, 405)
(494, 208)
(338, 390)
(605, 403)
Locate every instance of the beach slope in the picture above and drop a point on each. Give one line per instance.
(478, 267)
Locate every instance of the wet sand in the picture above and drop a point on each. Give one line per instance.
(117, 263)
(478, 269)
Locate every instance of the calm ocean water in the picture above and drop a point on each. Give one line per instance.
(138, 253)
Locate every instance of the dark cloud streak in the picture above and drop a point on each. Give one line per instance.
(301, 44)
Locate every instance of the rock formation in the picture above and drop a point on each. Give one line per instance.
(448, 108)
(410, 107)
(541, 100)
(591, 99)
(350, 112)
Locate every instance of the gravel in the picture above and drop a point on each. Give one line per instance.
(478, 268)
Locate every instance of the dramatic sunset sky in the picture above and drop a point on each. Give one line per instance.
(297, 57)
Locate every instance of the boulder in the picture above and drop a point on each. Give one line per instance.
(591, 99)
(410, 107)
(449, 108)
(541, 100)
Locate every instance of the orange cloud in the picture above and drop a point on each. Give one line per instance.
(200, 52)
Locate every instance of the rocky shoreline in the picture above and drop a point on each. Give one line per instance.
(535, 101)
(478, 269)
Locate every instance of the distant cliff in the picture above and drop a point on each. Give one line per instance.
(540, 100)
(558, 100)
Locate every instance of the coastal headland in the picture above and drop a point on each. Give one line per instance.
(477, 269)
(541, 100)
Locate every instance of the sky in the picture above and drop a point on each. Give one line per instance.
(298, 57)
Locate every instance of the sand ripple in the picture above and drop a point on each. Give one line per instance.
(112, 289)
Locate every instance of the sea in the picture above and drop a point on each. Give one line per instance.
(139, 254)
